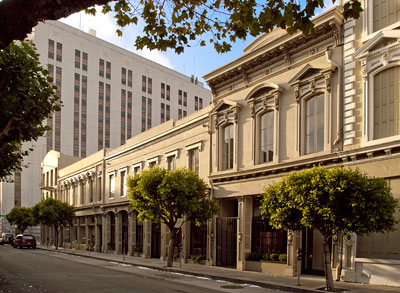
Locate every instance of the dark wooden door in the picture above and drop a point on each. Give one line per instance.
(226, 242)
(155, 240)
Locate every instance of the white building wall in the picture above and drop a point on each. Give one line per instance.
(96, 49)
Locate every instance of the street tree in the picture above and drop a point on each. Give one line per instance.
(172, 198)
(27, 98)
(54, 213)
(172, 23)
(21, 217)
(334, 201)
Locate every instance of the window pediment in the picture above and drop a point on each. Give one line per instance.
(224, 112)
(264, 97)
(378, 42)
(312, 79)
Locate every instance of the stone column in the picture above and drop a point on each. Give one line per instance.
(240, 234)
(131, 232)
(118, 233)
(147, 239)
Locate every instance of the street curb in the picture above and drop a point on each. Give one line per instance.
(182, 271)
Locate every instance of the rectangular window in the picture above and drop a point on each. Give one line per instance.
(194, 160)
(171, 163)
(82, 193)
(101, 67)
(84, 61)
(108, 70)
(101, 116)
(51, 49)
(227, 147)
(385, 13)
(184, 113)
(58, 77)
(200, 103)
(108, 115)
(83, 116)
(196, 103)
(144, 81)
(314, 125)
(162, 113)
(149, 111)
(123, 183)
(168, 92)
(130, 78)
(123, 76)
(267, 137)
(179, 113)
(76, 115)
(129, 116)
(185, 99)
(90, 182)
(149, 85)
(111, 190)
(180, 97)
(162, 90)
(77, 59)
(144, 107)
(99, 188)
(266, 239)
(59, 52)
(123, 114)
(167, 114)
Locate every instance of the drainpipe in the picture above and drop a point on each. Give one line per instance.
(339, 121)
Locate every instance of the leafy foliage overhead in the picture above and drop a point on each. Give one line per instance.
(27, 98)
(21, 217)
(175, 24)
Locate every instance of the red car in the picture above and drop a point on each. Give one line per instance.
(24, 241)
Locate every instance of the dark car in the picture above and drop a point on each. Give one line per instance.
(7, 238)
(24, 241)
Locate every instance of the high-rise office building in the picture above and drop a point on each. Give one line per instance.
(108, 95)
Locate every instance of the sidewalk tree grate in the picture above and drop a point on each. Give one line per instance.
(232, 287)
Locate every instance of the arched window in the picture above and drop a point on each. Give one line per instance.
(227, 147)
(386, 103)
(266, 134)
(314, 124)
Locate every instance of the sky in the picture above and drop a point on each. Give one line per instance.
(196, 60)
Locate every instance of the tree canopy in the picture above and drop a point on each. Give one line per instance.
(334, 201)
(172, 198)
(27, 98)
(21, 217)
(55, 213)
(174, 24)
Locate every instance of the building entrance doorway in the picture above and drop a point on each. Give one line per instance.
(155, 240)
(226, 242)
(312, 262)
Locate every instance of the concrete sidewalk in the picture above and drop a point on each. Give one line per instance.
(289, 284)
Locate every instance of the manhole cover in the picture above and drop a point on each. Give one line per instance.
(232, 287)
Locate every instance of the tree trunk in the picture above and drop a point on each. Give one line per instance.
(327, 263)
(171, 245)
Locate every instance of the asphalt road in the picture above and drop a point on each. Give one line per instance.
(29, 270)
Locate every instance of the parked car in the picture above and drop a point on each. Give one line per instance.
(7, 238)
(24, 240)
(1, 240)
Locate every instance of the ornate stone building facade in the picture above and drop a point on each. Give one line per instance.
(290, 102)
